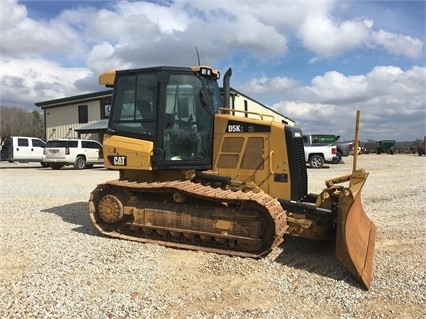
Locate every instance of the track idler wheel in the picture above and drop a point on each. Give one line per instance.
(111, 209)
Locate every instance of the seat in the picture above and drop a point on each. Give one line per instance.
(145, 109)
(148, 115)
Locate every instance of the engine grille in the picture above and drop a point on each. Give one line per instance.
(297, 164)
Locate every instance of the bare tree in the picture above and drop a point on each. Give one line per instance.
(38, 124)
(20, 122)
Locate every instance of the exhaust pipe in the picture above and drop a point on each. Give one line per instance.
(227, 89)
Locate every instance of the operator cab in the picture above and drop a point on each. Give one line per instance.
(171, 106)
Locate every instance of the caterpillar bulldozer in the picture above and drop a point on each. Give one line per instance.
(196, 174)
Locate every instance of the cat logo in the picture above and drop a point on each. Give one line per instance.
(118, 160)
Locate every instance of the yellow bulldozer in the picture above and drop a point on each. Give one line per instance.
(196, 174)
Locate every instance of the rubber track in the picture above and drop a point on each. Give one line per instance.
(272, 205)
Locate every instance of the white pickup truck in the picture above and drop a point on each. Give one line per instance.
(316, 156)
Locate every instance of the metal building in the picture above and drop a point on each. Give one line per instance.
(86, 115)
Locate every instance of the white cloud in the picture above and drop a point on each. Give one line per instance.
(398, 44)
(169, 19)
(35, 80)
(62, 56)
(327, 38)
(100, 54)
(387, 96)
(334, 87)
(261, 30)
(265, 85)
(256, 35)
(305, 111)
(22, 36)
(136, 22)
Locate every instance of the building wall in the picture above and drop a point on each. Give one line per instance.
(241, 102)
(62, 115)
(61, 121)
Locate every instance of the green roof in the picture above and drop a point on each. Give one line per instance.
(93, 127)
(75, 98)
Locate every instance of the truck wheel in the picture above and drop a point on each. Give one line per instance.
(316, 161)
(338, 159)
(44, 164)
(80, 162)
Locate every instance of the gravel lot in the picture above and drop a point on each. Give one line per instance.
(55, 265)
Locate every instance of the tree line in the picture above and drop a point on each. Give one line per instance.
(16, 121)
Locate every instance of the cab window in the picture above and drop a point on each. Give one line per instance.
(188, 123)
(38, 143)
(135, 110)
(23, 142)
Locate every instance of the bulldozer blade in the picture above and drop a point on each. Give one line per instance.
(356, 235)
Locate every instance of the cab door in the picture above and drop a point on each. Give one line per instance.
(279, 158)
(22, 149)
(90, 151)
(36, 149)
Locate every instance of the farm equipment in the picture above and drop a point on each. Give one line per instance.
(386, 146)
(195, 174)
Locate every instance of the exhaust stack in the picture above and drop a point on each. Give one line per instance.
(227, 89)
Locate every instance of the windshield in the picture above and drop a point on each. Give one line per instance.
(214, 92)
(135, 109)
(188, 121)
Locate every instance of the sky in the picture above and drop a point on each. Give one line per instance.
(316, 62)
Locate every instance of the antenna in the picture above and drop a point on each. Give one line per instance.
(198, 56)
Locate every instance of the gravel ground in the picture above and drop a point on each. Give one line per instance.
(53, 263)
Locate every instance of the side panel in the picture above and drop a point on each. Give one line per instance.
(127, 153)
(240, 154)
(256, 152)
